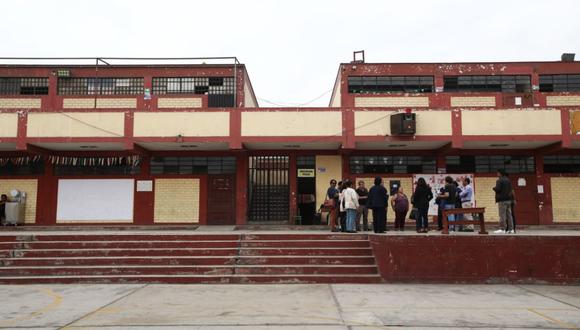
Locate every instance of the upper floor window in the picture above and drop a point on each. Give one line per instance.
(23, 86)
(560, 83)
(505, 84)
(220, 90)
(193, 165)
(100, 86)
(392, 164)
(391, 84)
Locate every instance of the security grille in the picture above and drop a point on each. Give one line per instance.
(23, 86)
(100, 86)
(268, 189)
(220, 90)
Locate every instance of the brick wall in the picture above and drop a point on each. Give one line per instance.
(188, 102)
(20, 103)
(392, 102)
(562, 100)
(485, 197)
(565, 206)
(110, 103)
(480, 101)
(30, 187)
(176, 200)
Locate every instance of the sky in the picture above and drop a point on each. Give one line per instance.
(292, 49)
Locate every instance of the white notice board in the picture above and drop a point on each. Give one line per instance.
(95, 200)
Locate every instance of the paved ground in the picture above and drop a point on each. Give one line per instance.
(289, 307)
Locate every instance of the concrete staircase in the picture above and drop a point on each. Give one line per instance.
(106, 257)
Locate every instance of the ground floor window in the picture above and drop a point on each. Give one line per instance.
(16, 168)
(392, 164)
(562, 164)
(490, 164)
(193, 165)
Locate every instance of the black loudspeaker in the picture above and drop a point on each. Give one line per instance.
(403, 123)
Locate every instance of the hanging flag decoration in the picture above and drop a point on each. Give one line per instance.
(20, 161)
(93, 161)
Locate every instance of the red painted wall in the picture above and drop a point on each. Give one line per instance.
(478, 259)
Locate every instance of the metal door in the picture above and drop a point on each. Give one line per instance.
(268, 189)
(221, 200)
(526, 208)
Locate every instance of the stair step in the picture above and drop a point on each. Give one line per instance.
(298, 237)
(59, 245)
(134, 237)
(306, 243)
(132, 260)
(305, 251)
(305, 269)
(312, 260)
(126, 252)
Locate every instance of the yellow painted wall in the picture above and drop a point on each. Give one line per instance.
(372, 123)
(485, 197)
(433, 122)
(184, 123)
(76, 124)
(20, 103)
(575, 122)
(391, 102)
(563, 100)
(176, 200)
(30, 187)
(102, 103)
(406, 183)
(181, 102)
(332, 166)
(565, 207)
(295, 123)
(8, 125)
(511, 122)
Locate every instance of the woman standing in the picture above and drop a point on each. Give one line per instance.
(377, 202)
(350, 199)
(400, 204)
(420, 200)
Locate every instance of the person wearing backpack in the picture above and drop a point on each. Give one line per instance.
(400, 204)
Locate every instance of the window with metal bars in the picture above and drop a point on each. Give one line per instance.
(23, 86)
(193, 165)
(499, 83)
(33, 168)
(96, 170)
(490, 164)
(560, 83)
(220, 90)
(392, 164)
(100, 86)
(390, 84)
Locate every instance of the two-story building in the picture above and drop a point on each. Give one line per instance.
(158, 144)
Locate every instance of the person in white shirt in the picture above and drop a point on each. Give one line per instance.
(466, 196)
(349, 204)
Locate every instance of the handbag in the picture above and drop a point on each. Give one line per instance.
(329, 204)
(413, 215)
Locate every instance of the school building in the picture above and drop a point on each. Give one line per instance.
(149, 144)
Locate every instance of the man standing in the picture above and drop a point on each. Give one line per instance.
(363, 211)
(503, 190)
(377, 201)
(332, 194)
(466, 196)
(448, 196)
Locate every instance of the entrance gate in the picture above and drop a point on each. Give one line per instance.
(268, 189)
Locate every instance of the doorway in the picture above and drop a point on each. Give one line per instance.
(221, 201)
(268, 189)
(526, 208)
(306, 186)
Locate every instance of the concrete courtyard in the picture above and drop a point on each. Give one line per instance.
(320, 307)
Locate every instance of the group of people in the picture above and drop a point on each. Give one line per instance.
(350, 205)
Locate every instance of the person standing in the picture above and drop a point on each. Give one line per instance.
(350, 202)
(466, 197)
(363, 211)
(332, 194)
(3, 201)
(377, 202)
(400, 204)
(503, 191)
(420, 200)
(448, 199)
(341, 208)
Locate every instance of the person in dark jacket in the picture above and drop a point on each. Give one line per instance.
(503, 197)
(448, 196)
(377, 202)
(420, 200)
